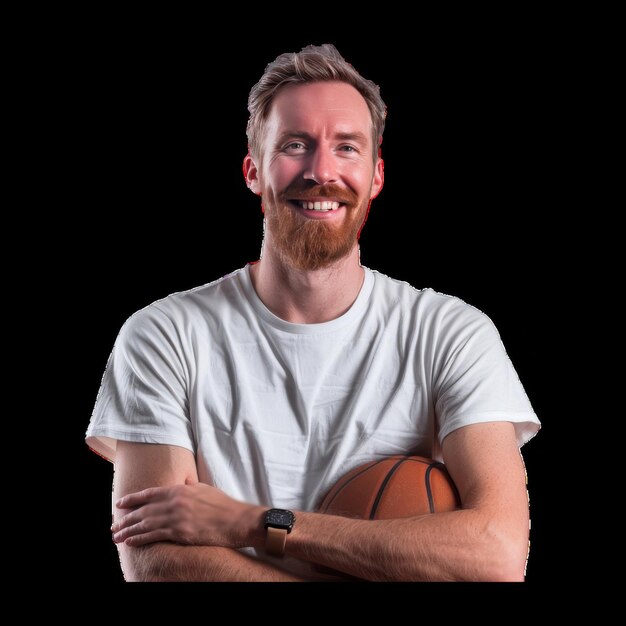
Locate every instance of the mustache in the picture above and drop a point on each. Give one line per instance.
(306, 192)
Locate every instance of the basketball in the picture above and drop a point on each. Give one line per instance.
(396, 486)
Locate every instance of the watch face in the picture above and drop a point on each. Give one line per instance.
(279, 518)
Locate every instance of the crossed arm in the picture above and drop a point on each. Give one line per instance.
(168, 526)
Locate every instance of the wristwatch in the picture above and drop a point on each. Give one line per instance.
(278, 524)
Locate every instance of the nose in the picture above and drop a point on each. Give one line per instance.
(321, 167)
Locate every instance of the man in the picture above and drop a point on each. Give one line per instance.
(260, 390)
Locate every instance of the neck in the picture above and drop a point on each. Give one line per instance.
(307, 297)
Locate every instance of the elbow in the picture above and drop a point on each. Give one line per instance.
(146, 564)
(142, 575)
(508, 553)
(508, 572)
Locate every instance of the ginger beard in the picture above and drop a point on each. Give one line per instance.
(312, 244)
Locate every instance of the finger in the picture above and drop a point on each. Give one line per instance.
(136, 516)
(162, 534)
(147, 514)
(138, 498)
(143, 526)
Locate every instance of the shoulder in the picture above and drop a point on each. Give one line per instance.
(426, 306)
(185, 309)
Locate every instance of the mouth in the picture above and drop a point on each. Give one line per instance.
(323, 206)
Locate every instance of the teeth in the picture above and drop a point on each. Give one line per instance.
(320, 206)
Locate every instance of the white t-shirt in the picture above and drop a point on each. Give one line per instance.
(277, 412)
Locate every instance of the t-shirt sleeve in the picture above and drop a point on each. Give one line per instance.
(143, 395)
(475, 380)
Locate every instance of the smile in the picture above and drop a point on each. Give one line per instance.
(325, 205)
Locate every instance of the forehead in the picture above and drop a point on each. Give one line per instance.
(319, 107)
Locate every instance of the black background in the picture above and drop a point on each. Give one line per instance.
(153, 118)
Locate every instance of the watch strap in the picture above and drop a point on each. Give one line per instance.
(275, 541)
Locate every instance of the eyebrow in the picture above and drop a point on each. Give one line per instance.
(356, 136)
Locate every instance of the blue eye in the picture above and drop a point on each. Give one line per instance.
(348, 148)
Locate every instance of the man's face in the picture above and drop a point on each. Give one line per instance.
(316, 173)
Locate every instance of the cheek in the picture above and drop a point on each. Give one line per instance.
(282, 174)
(360, 178)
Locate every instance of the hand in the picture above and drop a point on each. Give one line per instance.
(193, 514)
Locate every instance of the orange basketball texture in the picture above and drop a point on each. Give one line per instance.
(397, 486)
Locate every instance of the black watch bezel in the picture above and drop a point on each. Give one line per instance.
(280, 518)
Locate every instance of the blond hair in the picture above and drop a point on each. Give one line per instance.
(312, 64)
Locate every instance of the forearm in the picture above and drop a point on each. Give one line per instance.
(462, 545)
(169, 562)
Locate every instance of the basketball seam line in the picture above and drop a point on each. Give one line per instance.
(429, 491)
(379, 495)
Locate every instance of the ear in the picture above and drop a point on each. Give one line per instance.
(379, 178)
(251, 174)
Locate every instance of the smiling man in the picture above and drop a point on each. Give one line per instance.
(231, 409)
